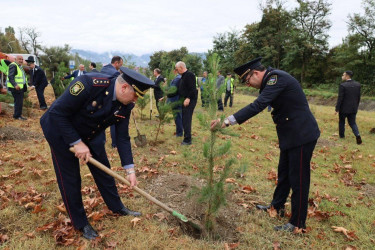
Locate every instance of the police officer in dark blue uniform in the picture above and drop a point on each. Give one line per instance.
(297, 131)
(91, 103)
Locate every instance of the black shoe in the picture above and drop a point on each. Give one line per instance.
(286, 228)
(125, 211)
(185, 143)
(89, 232)
(21, 118)
(280, 211)
(359, 139)
(43, 108)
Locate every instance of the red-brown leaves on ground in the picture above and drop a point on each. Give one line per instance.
(3, 238)
(161, 216)
(228, 246)
(272, 176)
(135, 221)
(272, 212)
(350, 235)
(248, 189)
(276, 245)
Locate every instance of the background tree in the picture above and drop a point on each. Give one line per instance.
(308, 44)
(52, 58)
(29, 37)
(8, 41)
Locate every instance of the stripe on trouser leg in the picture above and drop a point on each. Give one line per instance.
(62, 185)
(300, 188)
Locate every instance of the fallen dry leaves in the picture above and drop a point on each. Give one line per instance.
(350, 235)
(135, 221)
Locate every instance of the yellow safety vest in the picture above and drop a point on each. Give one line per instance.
(20, 78)
(231, 84)
(3, 66)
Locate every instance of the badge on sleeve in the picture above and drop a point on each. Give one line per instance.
(272, 80)
(76, 88)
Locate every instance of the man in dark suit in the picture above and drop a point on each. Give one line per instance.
(158, 92)
(112, 69)
(93, 67)
(347, 104)
(77, 119)
(297, 131)
(38, 79)
(80, 71)
(189, 93)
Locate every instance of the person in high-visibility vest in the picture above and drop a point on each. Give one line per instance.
(229, 90)
(17, 84)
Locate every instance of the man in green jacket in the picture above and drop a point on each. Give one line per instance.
(16, 84)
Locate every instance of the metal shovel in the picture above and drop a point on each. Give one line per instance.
(140, 140)
(182, 218)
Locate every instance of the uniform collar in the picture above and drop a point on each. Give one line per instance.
(265, 77)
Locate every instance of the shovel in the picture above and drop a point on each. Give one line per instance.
(140, 140)
(181, 217)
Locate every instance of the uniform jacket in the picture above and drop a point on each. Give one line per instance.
(94, 70)
(349, 97)
(74, 74)
(110, 70)
(295, 124)
(85, 110)
(38, 77)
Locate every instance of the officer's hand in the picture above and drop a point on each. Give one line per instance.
(215, 124)
(186, 102)
(132, 179)
(82, 152)
(17, 87)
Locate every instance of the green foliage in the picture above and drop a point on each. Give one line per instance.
(59, 85)
(163, 60)
(142, 103)
(214, 192)
(165, 110)
(53, 57)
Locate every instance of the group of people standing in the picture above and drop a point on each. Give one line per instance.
(97, 100)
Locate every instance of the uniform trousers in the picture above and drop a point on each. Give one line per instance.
(294, 173)
(68, 176)
(351, 120)
(187, 117)
(40, 94)
(18, 101)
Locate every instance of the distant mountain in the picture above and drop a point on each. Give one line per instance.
(141, 61)
(106, 57)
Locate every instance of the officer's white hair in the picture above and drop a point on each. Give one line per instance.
(121, 80)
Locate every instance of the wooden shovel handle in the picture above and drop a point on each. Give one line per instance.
(123, 180)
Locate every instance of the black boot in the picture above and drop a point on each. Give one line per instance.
(89, 232)
(280, 211)
(286, 227)
(359, 139)
(125, 211)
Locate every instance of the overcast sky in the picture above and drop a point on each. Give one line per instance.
(145, 26)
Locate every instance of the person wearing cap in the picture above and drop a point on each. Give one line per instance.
(17, 85)
(347, 104)
(77, 119)
(297, 131)
(188, 92)
(229, 89)
(38, 79)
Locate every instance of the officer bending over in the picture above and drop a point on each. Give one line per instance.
(297, 131)
(90, 104)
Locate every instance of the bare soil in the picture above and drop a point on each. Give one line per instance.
(175, 190)
(18, 134)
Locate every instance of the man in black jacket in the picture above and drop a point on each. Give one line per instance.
(188, 91)
(297, 131)
(38, 79)
(347, 104)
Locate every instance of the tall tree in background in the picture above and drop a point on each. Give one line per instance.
(362, 31)
(8, 41)
(29, 37)
(52, 58)
(309, 40)
(225, 45)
